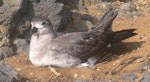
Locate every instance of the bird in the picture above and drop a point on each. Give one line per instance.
(75, 49)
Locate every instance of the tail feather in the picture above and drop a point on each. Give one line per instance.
(123, 34)
(105, 15)
(104, 27)
(106, 21)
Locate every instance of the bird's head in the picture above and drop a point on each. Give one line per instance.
(41, 26)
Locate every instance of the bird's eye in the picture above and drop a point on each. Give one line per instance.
(43, 23)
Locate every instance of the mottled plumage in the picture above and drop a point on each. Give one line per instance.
(76, 49)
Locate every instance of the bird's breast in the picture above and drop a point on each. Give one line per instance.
(39, 47)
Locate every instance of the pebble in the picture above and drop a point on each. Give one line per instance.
(145, 66)
(146, 78)
(75, 75)
(22, 45)
(5, 52)
(90, 80)
(7, 73)
(130, 76)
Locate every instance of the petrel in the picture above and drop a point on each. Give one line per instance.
(76, 49)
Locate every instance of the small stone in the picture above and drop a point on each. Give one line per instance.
(27, 81)
(34, 1)
(7, 73)
(75, 75)
(90, 80)
(5, 52)
(113, 81)
(18, 69)
(103, 6)
(136, 13)
(74, 11)
(56, 12)
(127, 6)
(22, 45)
(146, 78)
(143, 38)
(86, 17)
(11, 14)
(129, 76)
(80, 81)
(98, 69)
(129, 10)
(124, 0)
(145, 66)
(31, 73)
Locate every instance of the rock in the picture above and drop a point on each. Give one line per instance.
(136, 13)
(81, 5)
(90, 81)
(129, 76)
(128, 10)
(4, 38)
(34, 1)
(56, 12)
(145, 66)
(128, 6)
(10, 14)
(89, 2)
(86, 17)
(71, 4)
(114, 81)
(74, 4)
(24, 30)
(7, 73)
(22, 45)
(141, 2)
(1, 2)
(16, 15)
(84, 21)
(125, 0)
(103, 7)
(77, 24)
(5, 52)
(146, 78)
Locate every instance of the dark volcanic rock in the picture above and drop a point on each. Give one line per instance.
(145, 66)
(129, 76)
(71, 4)
(34, 1)
(89, 81)
(146, 78)
(10, 14)
(22, 45)
(16, 15)
(5, 52)
(56, 12)
(7, 73)
(86, 17)
(128, 10)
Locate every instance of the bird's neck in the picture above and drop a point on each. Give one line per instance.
(38, 39)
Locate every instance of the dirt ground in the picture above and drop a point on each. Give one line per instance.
(127, 57)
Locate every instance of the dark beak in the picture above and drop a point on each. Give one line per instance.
(33, 30)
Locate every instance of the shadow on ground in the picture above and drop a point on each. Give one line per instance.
(119, 49)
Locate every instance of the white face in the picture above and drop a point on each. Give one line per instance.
(41, 27)
(39, 24)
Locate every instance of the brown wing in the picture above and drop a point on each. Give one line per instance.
(86, 44)
(82, 44)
